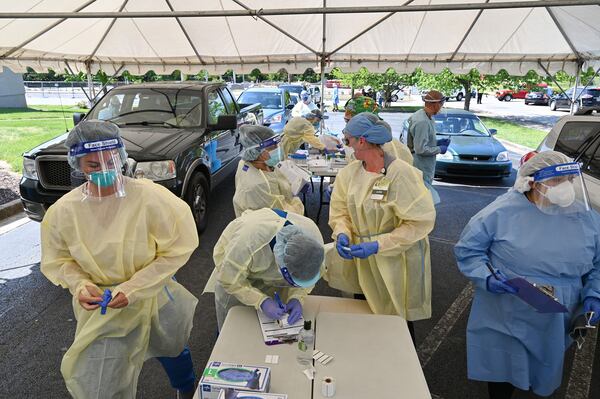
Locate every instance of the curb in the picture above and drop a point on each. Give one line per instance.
(10, 209)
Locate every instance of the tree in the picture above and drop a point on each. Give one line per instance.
(257, 76)
(310, 76)
(353, 79)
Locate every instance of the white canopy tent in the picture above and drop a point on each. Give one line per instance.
(217, 35)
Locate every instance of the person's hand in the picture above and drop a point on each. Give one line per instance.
(443, 149)
(442, 142)
(342, 244)
(294, 308)
(591, 304)
(364, 249)
(88, 295)
(119, 301)
(499, 285)
(271, 309)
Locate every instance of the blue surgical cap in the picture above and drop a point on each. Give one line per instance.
(369, 126)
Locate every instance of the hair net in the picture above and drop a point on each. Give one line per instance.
(250, 137)
(297, 127)
(92, 130)
(360, 104)
(300, 253)
(535, 163)
(369, 126)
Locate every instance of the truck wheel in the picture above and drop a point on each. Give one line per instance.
(197, 198)
(553, 106)
(508, 97)
(459, 97)
(394, 98)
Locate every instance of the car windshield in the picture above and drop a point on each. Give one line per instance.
(143, 106)
(293, 89)
(268, 99)
(460, 125)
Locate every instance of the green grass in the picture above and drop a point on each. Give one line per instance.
(514, 132)
(22, 129)
(403, 108)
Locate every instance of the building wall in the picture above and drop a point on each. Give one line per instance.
(12, 91)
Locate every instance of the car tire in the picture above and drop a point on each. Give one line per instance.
(459, 97)
(394, 98)
(526, 103)
(500, 98)
(553, 106)
(508, 97)
(196, 197)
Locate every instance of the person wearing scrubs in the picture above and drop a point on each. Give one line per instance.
(381, 214)
(127, 238)
(263, 252)
(304, 107)
(542, 230)
(297, 132)
(258, 184)
(422, 141)
(366, 105)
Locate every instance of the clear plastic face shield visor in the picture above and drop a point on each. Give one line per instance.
(274, 153)
(560, 189)
(100, 163)
(441, 101)
(287, 276)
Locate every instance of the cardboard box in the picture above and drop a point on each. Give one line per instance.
(220, 375)
(235, 394)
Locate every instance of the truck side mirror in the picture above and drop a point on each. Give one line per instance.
(225, 122)
(493, 131)
(290, 106)
(78, 117)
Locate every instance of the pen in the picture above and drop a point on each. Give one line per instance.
(492, 270)
(278, 300)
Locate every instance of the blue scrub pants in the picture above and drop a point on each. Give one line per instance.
(180, 370)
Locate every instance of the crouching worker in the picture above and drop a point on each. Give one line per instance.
(263, 252)
(129, 237)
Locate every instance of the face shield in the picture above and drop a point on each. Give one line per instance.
(100, 163)
(433, 101)
(561, 189)
(271, 145)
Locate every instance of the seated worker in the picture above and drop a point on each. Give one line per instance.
(360, 105)
(295, 133)
(263, 252)
(545, 231)
(128, 236)
(258, 184)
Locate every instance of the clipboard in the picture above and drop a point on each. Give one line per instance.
(541, 301)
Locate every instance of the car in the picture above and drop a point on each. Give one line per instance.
(183, 136)
(537, 98)
(578, 137)
(473, 150)
(459, 95)
(588, 100)
(293, 88)
(520, 93)
(276, 104)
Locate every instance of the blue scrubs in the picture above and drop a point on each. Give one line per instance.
(507, 340)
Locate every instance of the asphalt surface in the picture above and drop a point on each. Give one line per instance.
(37, 324)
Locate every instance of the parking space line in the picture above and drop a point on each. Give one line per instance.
(13, 225)
(581, 371)
(439, 332)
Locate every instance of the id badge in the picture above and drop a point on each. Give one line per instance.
(380, 189)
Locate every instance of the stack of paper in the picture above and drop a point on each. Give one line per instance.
(275, 332)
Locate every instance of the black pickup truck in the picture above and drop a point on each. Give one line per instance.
(184, 136)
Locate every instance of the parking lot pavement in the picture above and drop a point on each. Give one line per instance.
(37, 325)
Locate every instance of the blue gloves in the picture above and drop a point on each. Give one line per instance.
(499, 286)
(591, 304)
(343, 241)
(271, 309)
(443, 142)
(294, 308)
(364, 249)
(443, 149)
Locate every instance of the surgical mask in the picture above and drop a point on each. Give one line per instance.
(103, 178)
(274, 158)
(562, 194)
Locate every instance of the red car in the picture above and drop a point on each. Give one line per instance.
(507, 95)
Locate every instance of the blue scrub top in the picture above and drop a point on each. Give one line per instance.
(507, 340)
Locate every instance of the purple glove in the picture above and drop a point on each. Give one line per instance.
(343, 242)
(442, 142)
(364, 249)
(591, 304)
(271, 309)
(499, 285)
(443, 149)
(294, 308)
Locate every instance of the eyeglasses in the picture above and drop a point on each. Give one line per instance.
(346, 141)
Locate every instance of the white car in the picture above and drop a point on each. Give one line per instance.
(578, 137)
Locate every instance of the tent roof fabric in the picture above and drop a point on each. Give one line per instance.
(516, 39)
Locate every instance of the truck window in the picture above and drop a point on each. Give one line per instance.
(574, 136)
(216, 107)
(229, 102)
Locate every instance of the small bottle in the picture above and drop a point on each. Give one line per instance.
(306, 342)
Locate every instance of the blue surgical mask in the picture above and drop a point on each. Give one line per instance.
(103, 178)
(274, 157)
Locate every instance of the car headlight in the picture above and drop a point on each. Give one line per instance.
(29, 170)
(445, 157)
(502, 156)
(275, 119)
(156, 170)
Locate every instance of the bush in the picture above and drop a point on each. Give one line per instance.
(82, 104)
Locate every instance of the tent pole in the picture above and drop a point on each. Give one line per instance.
(551, 77)
(323, 55)
(90, 83)
(575, 89)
